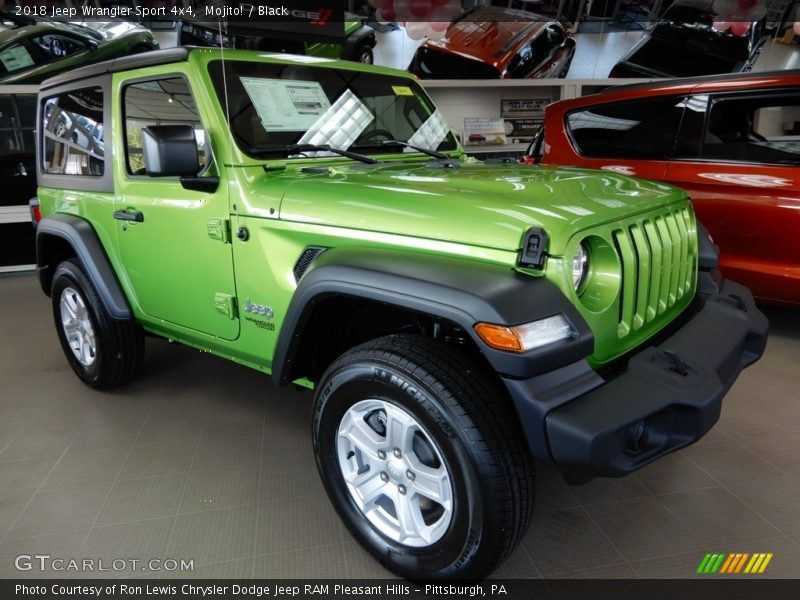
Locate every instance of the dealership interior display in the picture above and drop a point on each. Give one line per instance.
(437, 290)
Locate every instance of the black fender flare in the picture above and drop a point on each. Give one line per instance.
(361, 37)
(81, 237)
(458, 290)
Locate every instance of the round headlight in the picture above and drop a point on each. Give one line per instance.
(580, 266)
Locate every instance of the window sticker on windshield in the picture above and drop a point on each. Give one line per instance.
(342, 123)
(431, 133)
(15, 58)
(286, 105)
(402, 90)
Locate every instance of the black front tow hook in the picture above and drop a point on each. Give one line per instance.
(679, 365)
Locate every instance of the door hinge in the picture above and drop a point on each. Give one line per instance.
(220, 229)
(226, 304)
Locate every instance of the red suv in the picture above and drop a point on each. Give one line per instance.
(733, 142)
(495, 43)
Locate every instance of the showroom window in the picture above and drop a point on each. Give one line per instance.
(73, 133)
(755, 129)
(159, 102)
(639, 129)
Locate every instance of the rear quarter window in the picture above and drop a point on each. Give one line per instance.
(635, 129)
(73, 133)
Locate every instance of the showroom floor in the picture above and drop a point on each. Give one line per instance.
(205, 460)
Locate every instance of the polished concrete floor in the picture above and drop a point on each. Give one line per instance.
(205, 460)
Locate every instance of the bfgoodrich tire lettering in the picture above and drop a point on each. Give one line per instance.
(111, 352)
(464, 411)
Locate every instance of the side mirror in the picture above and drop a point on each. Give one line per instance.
(170, 150)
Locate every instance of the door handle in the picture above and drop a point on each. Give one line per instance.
(129, 215)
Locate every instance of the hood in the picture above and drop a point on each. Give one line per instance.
(477, 204)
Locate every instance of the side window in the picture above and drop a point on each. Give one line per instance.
(638, 129)
(56, 47)
(757, 129)
(555, 37)
(72, 128)
(522, 63)
(690, 137)
(159, 102)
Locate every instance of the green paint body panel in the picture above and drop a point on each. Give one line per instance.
(187, 276)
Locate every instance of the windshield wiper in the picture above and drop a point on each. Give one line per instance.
(300, 148)
(326, 148)
(434, 153)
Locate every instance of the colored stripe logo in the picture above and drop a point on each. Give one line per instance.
(734, 563)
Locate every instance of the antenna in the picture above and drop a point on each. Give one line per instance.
(225, 80)
(229, 125)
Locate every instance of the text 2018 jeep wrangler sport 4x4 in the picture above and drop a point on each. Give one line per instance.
(457, 320)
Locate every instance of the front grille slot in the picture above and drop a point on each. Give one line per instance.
(657, 260)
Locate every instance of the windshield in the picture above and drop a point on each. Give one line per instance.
(680, 60)
(273, 107)
(429, 63)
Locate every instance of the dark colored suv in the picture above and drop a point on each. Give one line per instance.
(685, 44)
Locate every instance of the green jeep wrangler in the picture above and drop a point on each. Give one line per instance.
(458, 321)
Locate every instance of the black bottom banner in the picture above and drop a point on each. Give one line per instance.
(556, 589)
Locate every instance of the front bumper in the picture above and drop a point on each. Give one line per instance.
(668, 396)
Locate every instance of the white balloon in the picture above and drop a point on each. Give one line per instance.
(416, 30)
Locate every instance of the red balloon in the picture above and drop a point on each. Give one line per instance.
(439, 2)
(747, 4)
(740, 28)
(386, 15)
(420, 8)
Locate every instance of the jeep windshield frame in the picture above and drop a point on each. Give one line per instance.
(275, 107)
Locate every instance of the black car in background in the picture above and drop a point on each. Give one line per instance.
(684, 43)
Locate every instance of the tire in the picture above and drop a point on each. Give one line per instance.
(103, 353)
(459, 432)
